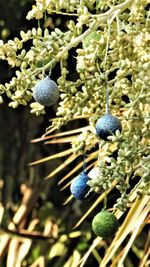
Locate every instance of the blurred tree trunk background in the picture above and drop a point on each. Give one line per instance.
(21, 185)
(18, 127)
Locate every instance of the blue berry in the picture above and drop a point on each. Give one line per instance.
(107, 125)
(79, 187)
(46, 92)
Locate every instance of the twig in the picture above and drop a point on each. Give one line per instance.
(35, 235)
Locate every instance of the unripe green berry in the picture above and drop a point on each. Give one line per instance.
(46, 92)
(105, 224)
(92, 36)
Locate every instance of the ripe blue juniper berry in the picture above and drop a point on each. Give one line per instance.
(79, 187)
(46, 92)
(107, 125)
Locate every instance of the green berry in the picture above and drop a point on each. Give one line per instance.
(92, 36)
(46, 92)
(105, 224)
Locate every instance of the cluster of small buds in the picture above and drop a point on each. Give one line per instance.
(85, 141)
(37, 109)
(44, 45)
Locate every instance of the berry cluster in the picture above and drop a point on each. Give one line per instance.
(104, 224)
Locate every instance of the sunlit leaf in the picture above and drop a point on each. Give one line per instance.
(62, 166)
